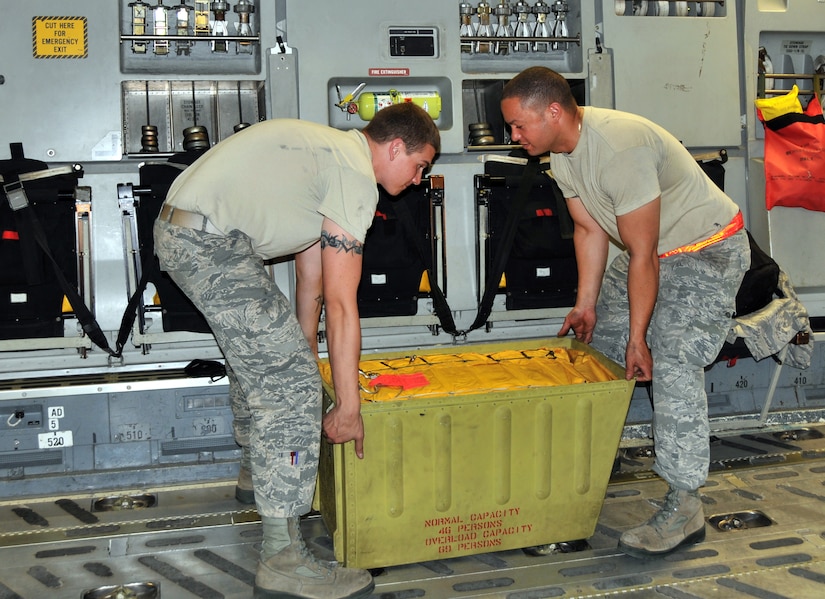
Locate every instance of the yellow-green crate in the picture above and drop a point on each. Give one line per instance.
(467, 474)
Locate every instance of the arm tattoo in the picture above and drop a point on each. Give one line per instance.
(342, 245)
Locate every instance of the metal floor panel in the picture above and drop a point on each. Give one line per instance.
(197, 541)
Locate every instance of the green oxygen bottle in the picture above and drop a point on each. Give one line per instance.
(371, 102)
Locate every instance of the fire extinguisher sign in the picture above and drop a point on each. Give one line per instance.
(59, 37)
(389, 72)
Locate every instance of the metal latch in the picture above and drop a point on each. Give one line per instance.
(801, 338)
(16, 195)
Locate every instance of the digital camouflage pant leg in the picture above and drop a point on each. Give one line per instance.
(277, 401)
(242, 418)
(696, 301)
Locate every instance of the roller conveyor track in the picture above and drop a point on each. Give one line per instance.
(764, 501)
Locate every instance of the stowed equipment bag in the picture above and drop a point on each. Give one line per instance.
(31, 294)
(795, 157)
(760, 283)
(397, 255)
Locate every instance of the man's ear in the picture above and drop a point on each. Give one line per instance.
(396, 146)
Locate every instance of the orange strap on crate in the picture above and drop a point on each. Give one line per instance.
(405, 381)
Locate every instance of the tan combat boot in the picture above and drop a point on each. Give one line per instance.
(244, 491)
(293, 572)
(680, 521)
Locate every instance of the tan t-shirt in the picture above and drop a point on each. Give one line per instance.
(276, 181)
(623, 161)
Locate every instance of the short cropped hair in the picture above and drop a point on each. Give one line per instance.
(538, 87)
(408, 121)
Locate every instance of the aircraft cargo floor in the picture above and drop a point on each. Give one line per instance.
(764, 503)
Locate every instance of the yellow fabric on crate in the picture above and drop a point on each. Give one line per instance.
(472, 373)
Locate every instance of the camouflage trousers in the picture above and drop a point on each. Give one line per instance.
(275, 387)
(692, 317)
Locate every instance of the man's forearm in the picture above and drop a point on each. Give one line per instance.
(591, 259)
(344, 344)
(642, 290)
(308, 312)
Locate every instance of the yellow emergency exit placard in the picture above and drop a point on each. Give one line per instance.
(59, 37)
